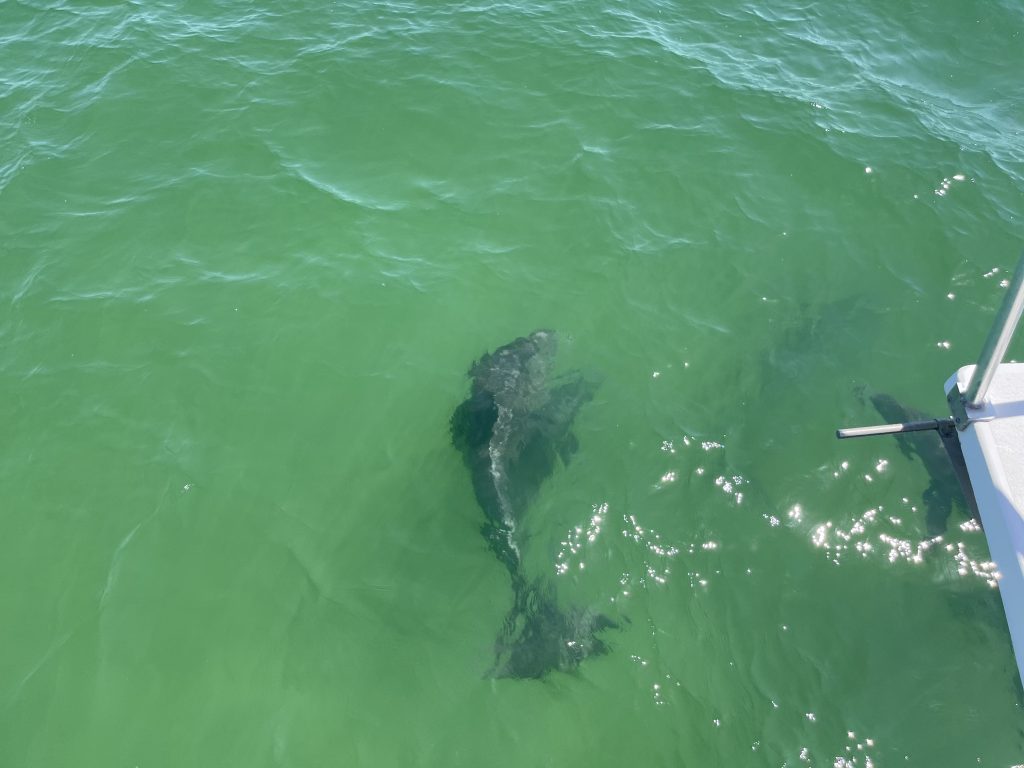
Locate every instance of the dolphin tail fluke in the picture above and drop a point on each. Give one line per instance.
(538, 636)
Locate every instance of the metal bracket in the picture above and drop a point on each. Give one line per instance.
(958, 407)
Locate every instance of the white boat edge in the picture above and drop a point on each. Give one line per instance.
(993, 448)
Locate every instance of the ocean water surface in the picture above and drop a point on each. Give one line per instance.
(249, 252)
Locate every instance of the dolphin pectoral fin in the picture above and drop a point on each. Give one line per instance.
(567, 447)
(473, 422)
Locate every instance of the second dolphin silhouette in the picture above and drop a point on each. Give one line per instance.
(942, 460)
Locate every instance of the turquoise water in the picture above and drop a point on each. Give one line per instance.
(248, 254)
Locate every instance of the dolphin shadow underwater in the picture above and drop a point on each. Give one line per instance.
(512, 431)
(949, 484)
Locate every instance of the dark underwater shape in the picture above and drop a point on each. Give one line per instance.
(945, 487)
(512, 431)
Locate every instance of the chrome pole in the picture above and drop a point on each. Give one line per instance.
(894, 429)
(998, 340)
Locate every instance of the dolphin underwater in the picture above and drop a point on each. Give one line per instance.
(942, 461)
(512, 431)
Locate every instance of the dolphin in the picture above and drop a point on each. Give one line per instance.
(512, 431)
(942, 459)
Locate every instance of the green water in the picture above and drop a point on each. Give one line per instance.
(247, 256)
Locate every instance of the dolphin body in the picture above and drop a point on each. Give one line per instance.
(511, 431)
(943, 462)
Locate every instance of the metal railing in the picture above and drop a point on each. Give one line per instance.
(998, 340)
